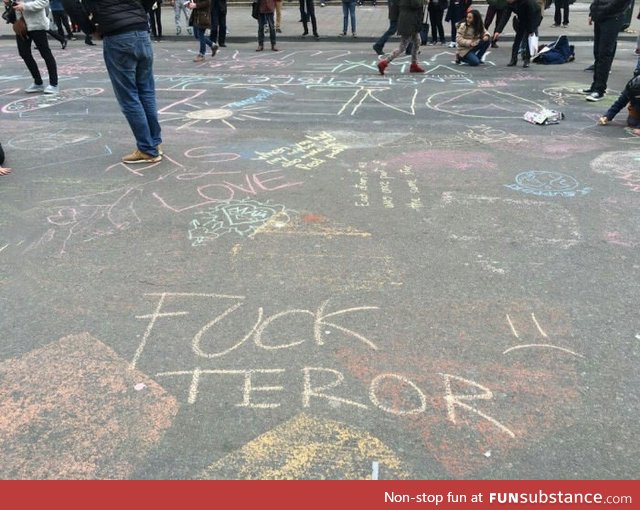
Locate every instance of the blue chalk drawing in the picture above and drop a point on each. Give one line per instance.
(548, 184)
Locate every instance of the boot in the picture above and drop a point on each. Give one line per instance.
(415, 68)
(525, 63)
(514, 60)
(382, 65)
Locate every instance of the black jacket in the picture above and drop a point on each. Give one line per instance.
(113, 17)
(603, 9)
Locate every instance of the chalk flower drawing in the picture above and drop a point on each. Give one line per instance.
(548, 184)
(242, 217)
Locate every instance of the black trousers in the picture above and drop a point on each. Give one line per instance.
(218, 23)
(605, 42)
(61, 20)
(24, 50)
(308, 13)
(520, 38)
(561, 13)
(436, 14)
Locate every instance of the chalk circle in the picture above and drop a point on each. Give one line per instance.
(542, 180)
(210, 114)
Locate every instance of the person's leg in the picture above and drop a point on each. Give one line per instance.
(261, 23)
(214, 34)
(311, 12)
(158, 15)
(480, 50)
(57, 20)
(303, 17)
(147, 88)
(438, 22)
(565, 17)
(40, 39)
(471, 58)
(404, 42)
(24, 50)
(345, 14)
(488, 17)
(515, 48)
(278, 14)
(352, 13)
(222, 28)
(557, 13)
(609, 29)
(132, 81)
(272, 30)
(199, 33)
(177, 8)
(415, 44)
(393, 26)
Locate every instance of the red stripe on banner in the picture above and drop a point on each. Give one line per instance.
(283, 495)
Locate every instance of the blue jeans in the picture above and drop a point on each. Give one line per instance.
(199, 33)
(474, 56)
(393, 28)
(129, 61)
(349, 9)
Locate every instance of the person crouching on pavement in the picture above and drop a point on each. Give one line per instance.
(630, 96)
(266, 8)
(409, 25)
(472, 39)
(3, 170)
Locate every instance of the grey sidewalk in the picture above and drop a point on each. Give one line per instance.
(371, 23)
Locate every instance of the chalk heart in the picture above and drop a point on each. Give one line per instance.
(246, 214)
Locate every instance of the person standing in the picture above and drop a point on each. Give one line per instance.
(61, 19)
(78, 16)
(561, 13)
(409, 25)
(378, 46)
(455, 14)
(155, 20)
(436, 14)
(218, 32)
(180, 9)
(33, 13)
(201, 21)
(308, 13)
(525, 23)
(348, 10)
(266, 8)
(607, 17)
(128, 56)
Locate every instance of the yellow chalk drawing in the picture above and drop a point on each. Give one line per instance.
(308, 447)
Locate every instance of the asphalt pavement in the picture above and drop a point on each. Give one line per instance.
(330, 274)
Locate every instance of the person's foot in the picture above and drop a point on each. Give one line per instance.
(382, 65)
(7, 171)
(198, 58)
(178, 30)
(34, 87)
(525, 63)
(556, 25)
(214, 50)
(590, 68)
(278, 31)
(378, 49)
(88, 41)
(636, 132)
(565, 25)
(353, 34)
(512, 62)
(458, 60)
(342, 34)
(63, 43)
(274, 48)
(316, 37)
(415, 68)
(452, 44)
(260, 48)
(305, 33)
(595, 96)
(138, 156)
(160, 150)
(51, 89)
(494, 44)
(587, 91)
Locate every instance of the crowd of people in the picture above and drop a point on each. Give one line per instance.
(126, 26)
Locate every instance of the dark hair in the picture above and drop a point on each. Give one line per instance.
(477, 23)
(633, 87)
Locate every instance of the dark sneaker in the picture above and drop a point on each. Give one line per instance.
(595, 96)
(590, 68)
(377, 49)
(587, 91)
(138, 156)
(214, 50)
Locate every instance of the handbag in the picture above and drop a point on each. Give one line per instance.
(20, 27)
(254, 10)
(533, 45)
